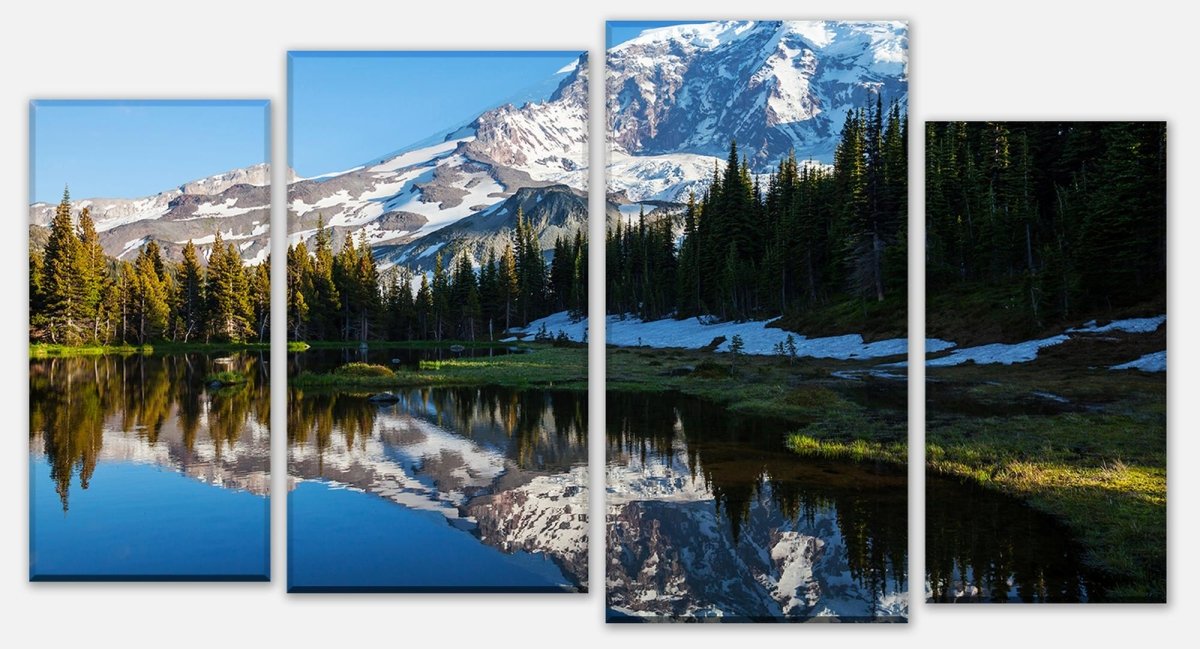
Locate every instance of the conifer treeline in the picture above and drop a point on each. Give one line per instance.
(1064, 220)
(79, 296)
(344, 296)
(810, 236)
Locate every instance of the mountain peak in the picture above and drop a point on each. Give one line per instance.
(775, 86)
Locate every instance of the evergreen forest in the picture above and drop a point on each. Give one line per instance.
(1033, 225)
(344, 296)
(802, 238)
(78, 295)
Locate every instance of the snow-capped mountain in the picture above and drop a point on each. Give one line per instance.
(237, 203)
(460, 191)
(677, 95)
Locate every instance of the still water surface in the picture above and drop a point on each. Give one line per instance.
(138, 470)
(710, 516)
(448, 489)
(981, 546)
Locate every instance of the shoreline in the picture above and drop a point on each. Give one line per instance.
(48, 350)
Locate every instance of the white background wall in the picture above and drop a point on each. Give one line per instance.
(1012, 60)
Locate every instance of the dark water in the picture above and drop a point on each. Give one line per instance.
(450, 489)
(710, 515)
(987, 547)
(327, 359)
(139, 471)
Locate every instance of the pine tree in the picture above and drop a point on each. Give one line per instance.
(191, 305)
(149, 299)
(439, 298)
(92, 272)
(60, 290)
(259, 287)
(509, 284)
(229, 310)
(299, 289)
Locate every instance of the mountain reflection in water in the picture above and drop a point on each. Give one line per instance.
(710, 516)
(504, 471)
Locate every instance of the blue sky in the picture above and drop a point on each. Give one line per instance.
(130, 149)
(620, 31)
(346, 108)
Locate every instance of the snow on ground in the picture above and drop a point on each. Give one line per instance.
(1129, 325)
(1026, 351)
(693, 334)
(1155, 362)
(1002, 353)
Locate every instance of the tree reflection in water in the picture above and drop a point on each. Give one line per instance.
(75, 402)
(981, 546)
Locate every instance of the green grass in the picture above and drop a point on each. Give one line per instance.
(545, 366)
(46, 350)
(858, 450)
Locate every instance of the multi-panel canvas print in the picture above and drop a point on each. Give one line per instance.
(756, 323)
(437, 274)
(1046, 365)
(149, 292)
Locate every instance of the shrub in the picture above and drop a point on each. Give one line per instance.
(364, 370)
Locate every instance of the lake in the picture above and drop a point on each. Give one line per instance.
(981, 546)
(711, 518)
(478, 489)
(139, 471)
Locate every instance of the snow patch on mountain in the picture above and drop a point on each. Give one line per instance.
(667, 177)
(1153, 362)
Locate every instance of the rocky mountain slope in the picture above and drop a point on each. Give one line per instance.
(237, 203)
